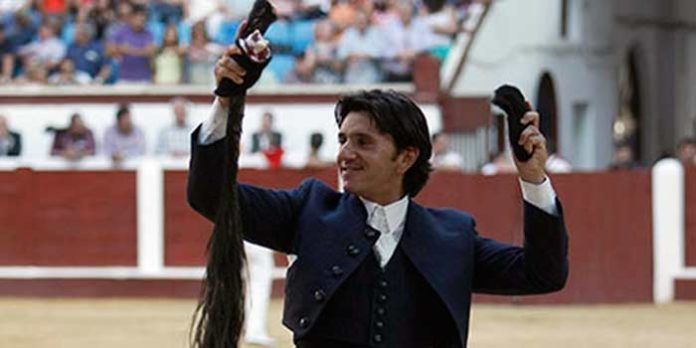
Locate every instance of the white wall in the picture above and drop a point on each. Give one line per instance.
(295, 121)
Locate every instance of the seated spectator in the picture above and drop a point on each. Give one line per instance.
(443, 25)
(405, 37)
(501, 163)
(101, 15)
(175, 139)
(623, 158)
(67, 75)
(48, 50)
(74, 142)
(88, 54)
(133, 46)
(267, 136)
(124, 139)
(361, 48)
(201, 56)
(23, 28)
(322, 55)
(343, 13)
(7, 56)
(687, 151)
(10, 142)
(34, 74)
(169, 61)
(314, 159)
(443, 158)
(302, 72)
(167, 11)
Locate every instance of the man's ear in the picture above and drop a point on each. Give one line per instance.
(407, 158)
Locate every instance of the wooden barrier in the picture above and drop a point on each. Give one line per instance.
(690, 216)
(67, 218)
(88, 218)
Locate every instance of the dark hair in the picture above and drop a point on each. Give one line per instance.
(138, 9)
(316, 139)
(122, 110)
(397, 115)
(687, 141)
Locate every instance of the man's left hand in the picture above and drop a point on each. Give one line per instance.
(532, 171)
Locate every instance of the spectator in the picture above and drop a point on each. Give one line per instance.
(555, 163)
(442, 24)
(201, 56)
(267, 136)
(88, 54)
(302, 72)
(24, 28)
(174, 140)
(124, 139)
(7, 56)
(687, 151)
(34, 73)
(361, 47)
(268, 141)
(101, 14)
(500, 164)
(169, 61)
(623, 158)
(10, 142)
(67, 75)
(343, 13)
(444, 158)
(167, 11)
(75, 142)
(47, 51)
(322, 55)
(405, 37)
(133, 45)
(314, 160)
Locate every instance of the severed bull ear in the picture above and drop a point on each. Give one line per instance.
(511, 100)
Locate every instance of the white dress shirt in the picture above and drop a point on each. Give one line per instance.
(389, 220)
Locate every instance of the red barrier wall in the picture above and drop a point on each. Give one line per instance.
(608, 217)
(690, 215)
(186, 233)
(75, 218)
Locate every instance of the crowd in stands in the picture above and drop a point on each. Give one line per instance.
(63, 42)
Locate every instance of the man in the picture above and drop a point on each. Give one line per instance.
(124, 139)
(47, 51)
(687, 151)
(10, 142)
(174, 140)
(75, 142)
(88, 54)
(267, 136)
(373, 268)
(133, 46)
(7, 56)
(444, 158)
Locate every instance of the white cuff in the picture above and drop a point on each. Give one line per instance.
(214, 127)
(542, 195)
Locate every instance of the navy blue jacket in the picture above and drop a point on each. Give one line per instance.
(323, 228)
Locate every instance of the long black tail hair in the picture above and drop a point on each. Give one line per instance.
(219, 317)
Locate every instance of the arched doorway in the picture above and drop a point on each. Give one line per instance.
(547, 107)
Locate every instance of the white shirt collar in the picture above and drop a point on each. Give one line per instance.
(395, 212)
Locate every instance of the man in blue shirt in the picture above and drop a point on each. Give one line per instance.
(88, 54)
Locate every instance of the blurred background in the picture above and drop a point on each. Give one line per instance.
(98, 99)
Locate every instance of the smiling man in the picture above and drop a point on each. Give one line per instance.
(373, 268)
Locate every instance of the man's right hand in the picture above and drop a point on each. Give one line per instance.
(228, 67)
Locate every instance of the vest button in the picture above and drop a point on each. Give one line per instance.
(383, 283)
(377, 338)
(352, 250)
(337, 271)
(380, 311)
(319, 295)
(382, 297)
(379, 324)
(304, 322)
